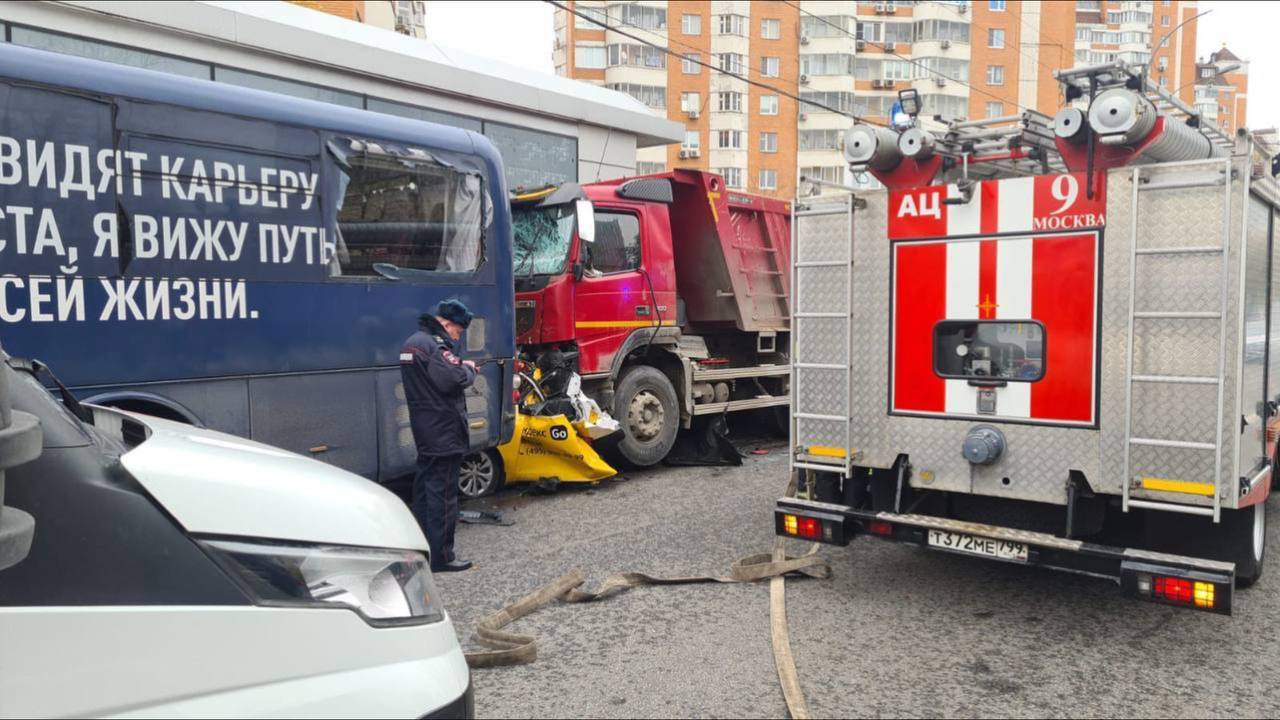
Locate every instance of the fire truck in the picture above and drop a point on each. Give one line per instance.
(1047, 341)
(670, 290)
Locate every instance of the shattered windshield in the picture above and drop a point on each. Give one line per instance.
(542, 236)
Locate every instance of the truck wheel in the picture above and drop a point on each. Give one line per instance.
(1243, 540)
(645, 404)
(481, 474)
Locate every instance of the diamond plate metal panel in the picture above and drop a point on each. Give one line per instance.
(1182, 283)
(823, 232)
(822, 289)
(822, 340)
(1169, 411)
(1176, 347)
(1252, 442)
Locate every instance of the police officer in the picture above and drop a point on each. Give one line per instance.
(434, 381)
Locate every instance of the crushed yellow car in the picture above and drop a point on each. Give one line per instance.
(542, 448)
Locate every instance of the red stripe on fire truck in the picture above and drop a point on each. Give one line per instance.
(920, 298)
(1050, 203)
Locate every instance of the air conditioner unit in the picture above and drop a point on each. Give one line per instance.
(877, 84)
(804, 79)
(804, 39)
(890, 8)
(861, 44)
(684, 154)
(963, 8)
(890, 47)
(881, 8)
(946, 44)
(803, 116)
(695, 152)
(890, 83)
(940, 81)
(693, 114)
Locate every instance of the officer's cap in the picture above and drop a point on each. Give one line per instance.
(454, 311)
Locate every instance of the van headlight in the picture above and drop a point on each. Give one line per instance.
(386, 587)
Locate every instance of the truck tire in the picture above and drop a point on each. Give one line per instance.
(1240, 537)
(645, 405)
(1243, 541)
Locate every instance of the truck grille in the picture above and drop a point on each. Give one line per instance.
(526, 311)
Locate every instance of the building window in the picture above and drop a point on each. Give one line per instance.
(732, 24)
(729, 102)
(689, 64)
(769, 66)
(995, 38)
(1164, 81)
(995, 109)
(997, 5)
(827, 173)
(637, 56)
(826, 64)
(771, 28)
(768, 180)
(68, 45)
(768, 142)
(640, 16)
(768, 104)
(649, 168)
(1163, 64)
(995, 74)
(690, 102)
(595, 19)
(729, 139)
(655, 96)
(692, 140)
(278, 85)
(732, 177)
(819, 139)
(731, 62)
(691, 24)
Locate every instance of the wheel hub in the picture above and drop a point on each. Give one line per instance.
(476, 476)
(645, 416)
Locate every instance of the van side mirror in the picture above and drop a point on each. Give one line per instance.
(586, 220)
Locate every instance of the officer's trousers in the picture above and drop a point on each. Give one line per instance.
(435, 503)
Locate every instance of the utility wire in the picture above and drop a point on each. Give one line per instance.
(713, 68)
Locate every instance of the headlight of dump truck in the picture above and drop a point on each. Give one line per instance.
(386, 587)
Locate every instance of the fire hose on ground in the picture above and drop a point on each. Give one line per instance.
(508, 648)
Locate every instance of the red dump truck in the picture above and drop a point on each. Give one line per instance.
(670, 290)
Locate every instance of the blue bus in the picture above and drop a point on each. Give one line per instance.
(245, 261)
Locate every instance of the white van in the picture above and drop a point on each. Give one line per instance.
(176, 572)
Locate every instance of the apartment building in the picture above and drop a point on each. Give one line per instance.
(1222, 90)
(985, 58)
(407, 17)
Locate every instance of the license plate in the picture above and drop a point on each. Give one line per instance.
(974, 545)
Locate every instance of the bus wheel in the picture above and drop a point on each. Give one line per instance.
(480, 475)
(645, 404)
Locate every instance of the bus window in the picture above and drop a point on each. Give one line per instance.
(401, 210)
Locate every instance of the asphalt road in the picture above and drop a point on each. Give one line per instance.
(897, 631)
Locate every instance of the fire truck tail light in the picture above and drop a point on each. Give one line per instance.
(880, 527)
(1193, 593)
(810, 528)
(790, 523)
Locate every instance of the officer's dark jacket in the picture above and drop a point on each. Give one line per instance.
(434, 381)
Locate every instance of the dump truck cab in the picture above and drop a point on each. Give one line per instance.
(675, 301)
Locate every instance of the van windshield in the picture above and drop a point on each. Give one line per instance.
(542, 236)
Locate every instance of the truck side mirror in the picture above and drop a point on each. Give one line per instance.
(586, 220)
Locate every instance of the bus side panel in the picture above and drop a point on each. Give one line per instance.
(328, 417)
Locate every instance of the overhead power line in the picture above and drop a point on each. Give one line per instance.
(917, 63)
(713, 68)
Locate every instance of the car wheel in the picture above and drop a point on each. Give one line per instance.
(480, 475)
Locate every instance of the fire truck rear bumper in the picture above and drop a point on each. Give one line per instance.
(1158, 577)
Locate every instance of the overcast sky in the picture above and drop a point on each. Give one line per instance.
(521, 33)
